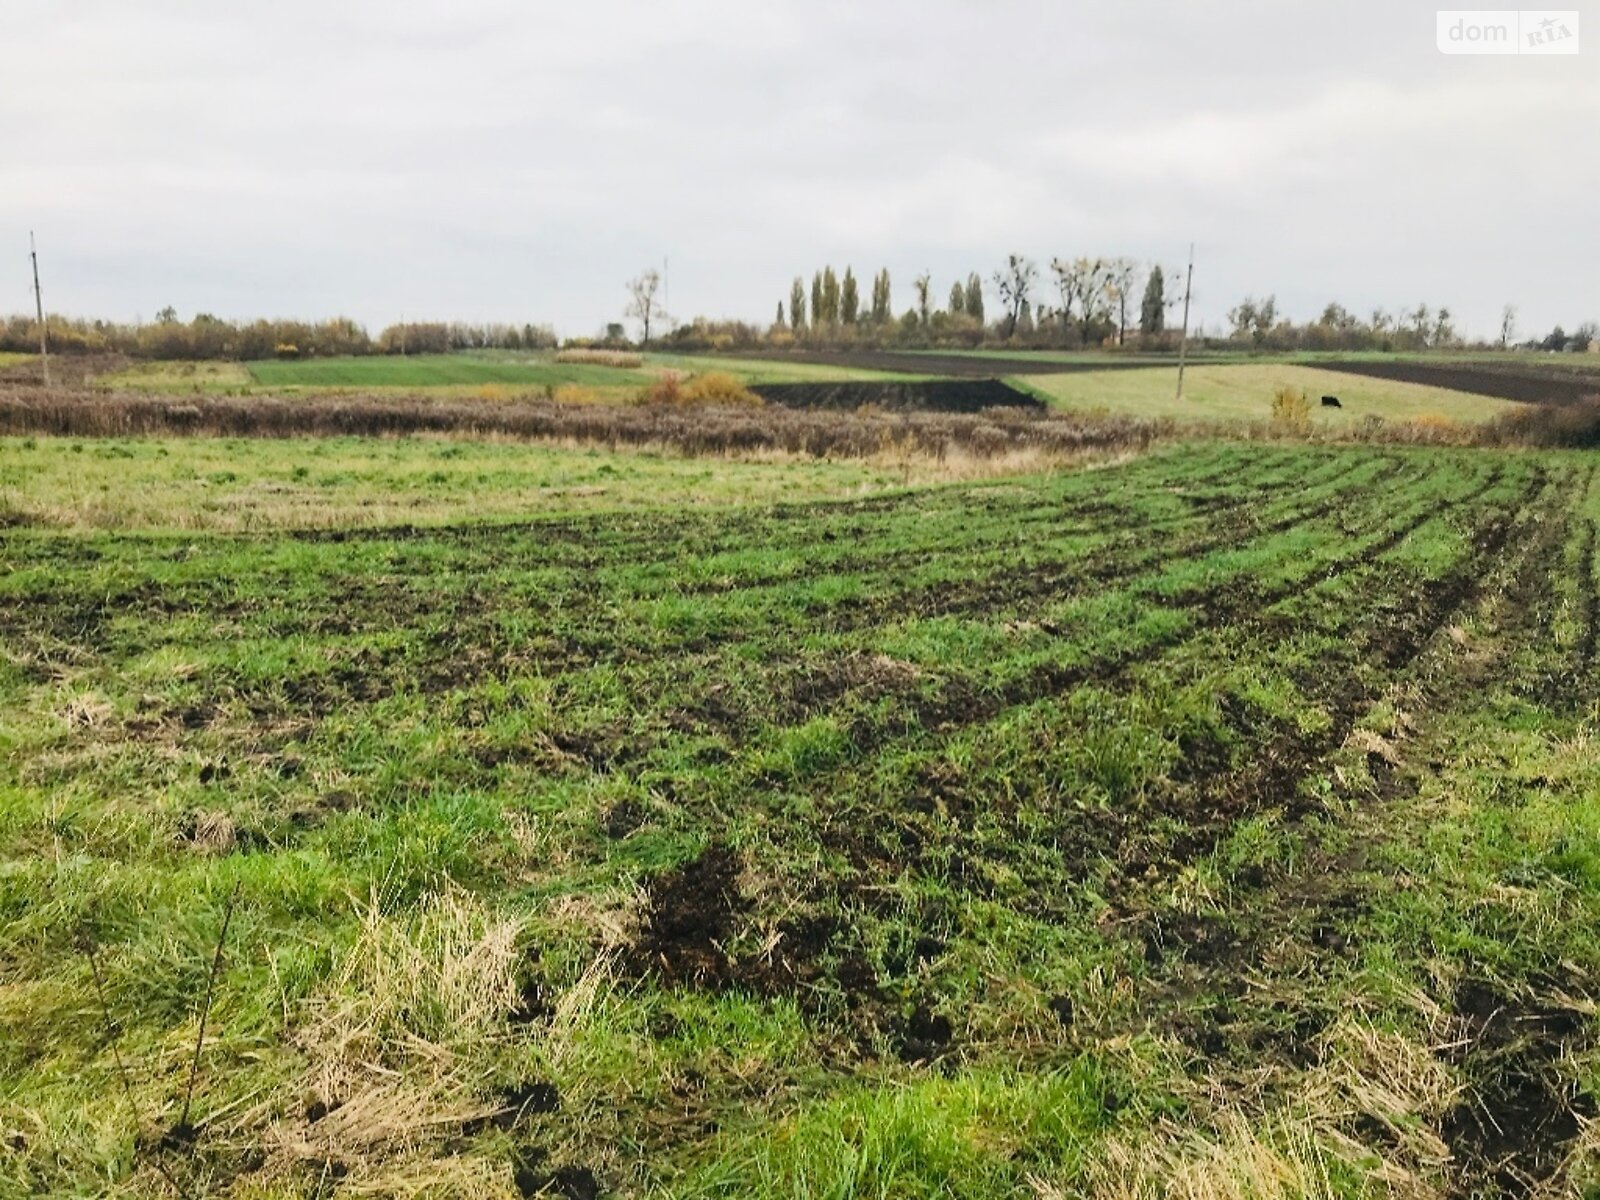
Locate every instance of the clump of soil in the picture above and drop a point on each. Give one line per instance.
(624, 818)
(1063, 1008)
(1203, 940)
(1513, 1126)
(533, 1002)
(515, 1104)
(568, 1182)
(926, 1037)
(688, 920)
(209, 832)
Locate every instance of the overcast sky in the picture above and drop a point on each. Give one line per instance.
(520, 161)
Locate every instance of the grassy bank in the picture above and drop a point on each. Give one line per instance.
(1243, 391)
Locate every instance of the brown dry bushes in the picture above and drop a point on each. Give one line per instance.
(731, 429)
(1573, 426)
(690, 429)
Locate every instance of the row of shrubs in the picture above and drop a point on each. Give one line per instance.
(208, 337)
(682, 425)
(720, 417)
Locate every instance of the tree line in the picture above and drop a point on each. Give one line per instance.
(1075, 303)
(1259, 325)
(207, 337)
(1083, 302)
(1087, 301)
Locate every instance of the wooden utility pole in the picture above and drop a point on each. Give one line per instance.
(1183, 342)
(38, 307)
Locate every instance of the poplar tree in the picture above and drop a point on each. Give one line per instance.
(1153, 308)
(882, 311)
(974, 304)
(830, 296)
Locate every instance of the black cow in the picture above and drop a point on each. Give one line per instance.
(1331, 402)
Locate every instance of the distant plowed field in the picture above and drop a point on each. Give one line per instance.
(1231, 815)
(1553, 384)
(933, 395)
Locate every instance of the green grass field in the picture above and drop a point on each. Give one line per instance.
(260, 483)
(10, 358)
(755, 370)
(1243, 391)
(466, 373)
(442, 370)
(1223, 823)
(1509, 358)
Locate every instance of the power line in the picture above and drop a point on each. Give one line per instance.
(38, 306)
(1183, 342)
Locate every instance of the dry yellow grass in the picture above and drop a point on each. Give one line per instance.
(624, 359)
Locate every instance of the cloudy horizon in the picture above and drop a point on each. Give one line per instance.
(496, 161)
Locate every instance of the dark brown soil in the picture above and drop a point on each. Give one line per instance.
(1513, 1126)
(565, 1183)
(1528, 383)
(515, 1105)
(926, 1036)
(623, 818)
(934, 395)
(689, 919)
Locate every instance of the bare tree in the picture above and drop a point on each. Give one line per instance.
(1122, 274)
(1421, 319)
(1085, 285)
(1254, 319)
(1508, 325)
(923, 285)
(643, 307)
(1014, 283)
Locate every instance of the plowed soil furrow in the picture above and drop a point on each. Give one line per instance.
(1222, 606)
(1588, 602)
(1527, 383)
(959, 704)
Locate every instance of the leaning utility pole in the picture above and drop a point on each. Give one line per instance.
(38, 307)
(1183, 342)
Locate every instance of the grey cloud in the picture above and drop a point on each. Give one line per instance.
(520, 161)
